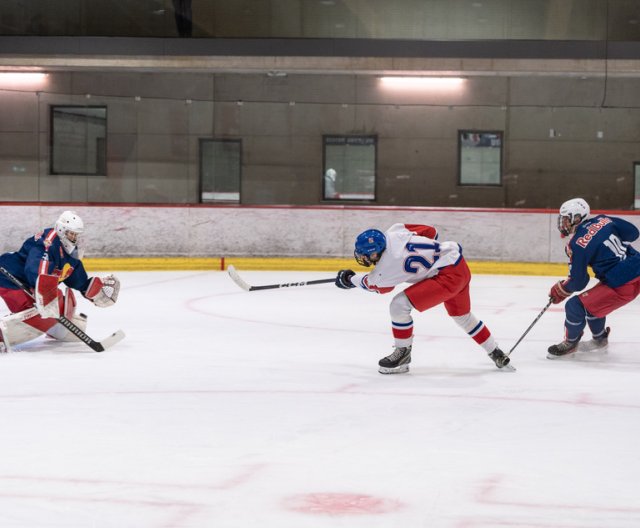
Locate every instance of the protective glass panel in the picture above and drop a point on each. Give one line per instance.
(220, 165)
(78, 140)
(349, 168)
(480, 157)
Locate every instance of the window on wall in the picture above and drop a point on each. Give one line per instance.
(220, 165)
(349, 171)
(479, 157)
(636, 177)
(78, 140)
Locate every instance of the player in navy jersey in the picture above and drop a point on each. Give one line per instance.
(604, 244)
(43, 261)
(437, 274)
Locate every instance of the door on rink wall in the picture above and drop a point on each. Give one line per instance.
(220, 168)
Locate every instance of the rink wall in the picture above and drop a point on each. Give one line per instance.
(164, 237)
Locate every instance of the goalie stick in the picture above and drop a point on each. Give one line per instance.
(97, 346)
(530, 326)
(245, 286)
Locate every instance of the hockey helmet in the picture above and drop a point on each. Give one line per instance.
(369, 247)
(69, 227)
(572, 213)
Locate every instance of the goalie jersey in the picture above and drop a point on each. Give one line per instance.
(43, 254)
(412, 255)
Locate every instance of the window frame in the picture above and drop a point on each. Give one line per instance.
(636, 185)
(52, 172)
(347, 137)
(499, 133)
(203, 140)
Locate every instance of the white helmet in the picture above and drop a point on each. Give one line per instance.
(572, 213)
(331, 174)
(69, 227)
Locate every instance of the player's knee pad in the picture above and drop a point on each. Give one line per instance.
(16, 331)
(575, 318)
(575, 310)
(400, 308)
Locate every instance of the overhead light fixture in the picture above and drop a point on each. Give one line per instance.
(276, 73)
(421, 83)
(22, 78)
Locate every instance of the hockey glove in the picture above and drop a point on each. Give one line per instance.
(343, 280)
(558, 293)
(104, 291)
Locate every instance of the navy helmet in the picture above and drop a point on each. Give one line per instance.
(369, 247)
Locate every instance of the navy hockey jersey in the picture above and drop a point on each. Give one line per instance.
(43, 253)
(604, 243)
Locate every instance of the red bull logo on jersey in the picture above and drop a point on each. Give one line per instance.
(66, 272)
(584, 240)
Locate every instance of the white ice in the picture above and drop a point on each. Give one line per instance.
(231, 409)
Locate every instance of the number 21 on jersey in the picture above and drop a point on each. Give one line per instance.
(413, 262)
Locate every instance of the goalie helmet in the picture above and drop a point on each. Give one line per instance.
(69, 227)
(572, 213)
(369, 247)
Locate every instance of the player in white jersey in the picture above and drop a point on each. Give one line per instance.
(437, 273)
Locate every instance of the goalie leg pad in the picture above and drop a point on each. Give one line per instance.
(60, 333)
(70, 303)
(16, 330)
(46, 293)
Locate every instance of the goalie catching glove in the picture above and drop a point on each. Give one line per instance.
(103, 291)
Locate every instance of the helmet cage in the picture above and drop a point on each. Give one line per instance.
(69, 229)
(572, 213)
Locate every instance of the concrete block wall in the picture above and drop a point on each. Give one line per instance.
(155, 121)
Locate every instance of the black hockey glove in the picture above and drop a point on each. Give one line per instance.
(343, 280)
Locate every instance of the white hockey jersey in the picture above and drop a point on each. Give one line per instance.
(410, 256)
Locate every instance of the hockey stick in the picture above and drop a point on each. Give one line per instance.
(245, 286)
(530, 326)
(98, 346)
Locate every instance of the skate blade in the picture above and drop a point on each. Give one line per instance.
(508, 368)
(396, 370)
(565, 356)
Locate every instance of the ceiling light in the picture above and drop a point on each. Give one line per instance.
(422, 83)
(22, 78)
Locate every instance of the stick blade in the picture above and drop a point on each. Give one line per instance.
(101, 346)
(114, 338)
(237, 279)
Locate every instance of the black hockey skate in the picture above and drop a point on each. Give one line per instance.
(501, 359)
(597, 343)
(397, 362)
(562, 349)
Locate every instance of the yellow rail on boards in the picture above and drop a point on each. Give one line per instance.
(298, 264)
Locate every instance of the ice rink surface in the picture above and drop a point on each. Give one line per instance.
(231, 409)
